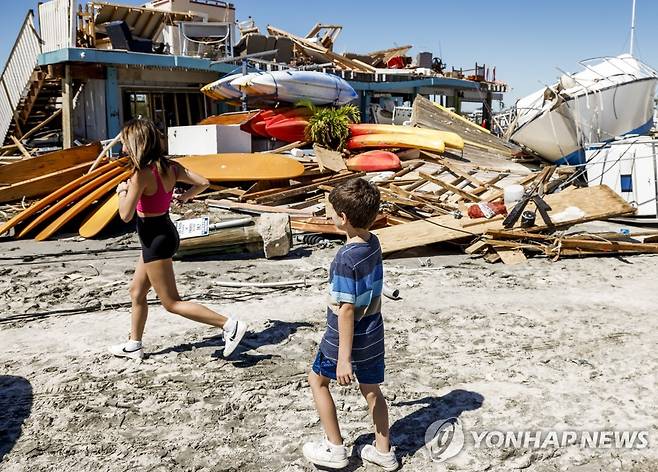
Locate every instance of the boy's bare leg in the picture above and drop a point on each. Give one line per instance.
(379, 413)
(324, 404)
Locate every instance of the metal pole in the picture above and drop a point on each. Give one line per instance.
(243, 98)
(632, 29)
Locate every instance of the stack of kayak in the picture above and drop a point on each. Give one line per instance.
(283, 86)
(284, 124)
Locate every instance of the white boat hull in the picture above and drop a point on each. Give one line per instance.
(595, 108)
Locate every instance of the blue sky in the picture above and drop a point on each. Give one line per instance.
(525, 39)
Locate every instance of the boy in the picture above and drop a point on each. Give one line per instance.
(353, 344)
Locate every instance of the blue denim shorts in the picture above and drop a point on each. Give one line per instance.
(370, 373)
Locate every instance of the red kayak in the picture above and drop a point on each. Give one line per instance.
(256, 124)
(289, 130)
(374, 161)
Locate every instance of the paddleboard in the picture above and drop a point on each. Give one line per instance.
(287, 130)
(40, 186)
(291, 86)
(53, 227)
(237, 167)
(51, 198)
(70, 198)
(391, 140)
(100, 217)
(27, 169)
(374, 161)
(451, 140)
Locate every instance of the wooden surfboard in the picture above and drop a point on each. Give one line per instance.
(27, 169)
(391, 140)
(81, 205)
(451, 140)
(70, 198)
(100, 217)
(40, 186)
(53, 197)
(238, 167)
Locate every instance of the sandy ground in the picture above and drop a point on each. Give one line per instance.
(569, 345)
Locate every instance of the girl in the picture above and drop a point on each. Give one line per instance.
(149, 192)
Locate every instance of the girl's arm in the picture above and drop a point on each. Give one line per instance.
(198, 182)
(129, 192)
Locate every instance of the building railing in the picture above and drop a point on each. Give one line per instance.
(17, 74)
(57, 24)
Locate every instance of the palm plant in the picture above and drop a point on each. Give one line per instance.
(330, 127)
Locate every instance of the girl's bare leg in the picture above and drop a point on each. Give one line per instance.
(139, 288)
(161, 275)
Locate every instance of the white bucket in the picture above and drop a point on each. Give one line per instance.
(513, 194)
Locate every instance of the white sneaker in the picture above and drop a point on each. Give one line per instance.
(120, 350)
(386, 461)
(325, 454)
(231, 340)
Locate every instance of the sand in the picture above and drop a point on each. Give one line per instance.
(566, 345)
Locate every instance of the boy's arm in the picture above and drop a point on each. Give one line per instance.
(344, 374)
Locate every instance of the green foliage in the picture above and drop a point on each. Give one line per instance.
(330, 127)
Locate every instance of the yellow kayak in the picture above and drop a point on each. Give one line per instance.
(390, 140)
(451, 140)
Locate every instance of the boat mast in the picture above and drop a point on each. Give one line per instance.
(632, 28)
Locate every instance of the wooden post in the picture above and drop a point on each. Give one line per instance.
(67, 107)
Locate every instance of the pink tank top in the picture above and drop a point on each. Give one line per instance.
(158, 202)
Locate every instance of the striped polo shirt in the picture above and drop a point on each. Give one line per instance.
(356, 276)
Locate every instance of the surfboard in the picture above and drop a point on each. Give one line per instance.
(51, 198)
(27, 169)
(90, 198)
(288, 130)
(100, 217)
(451, 140)
(237, 167)
(374, 161)
(40, 186)
(70, 198)
(391, 140)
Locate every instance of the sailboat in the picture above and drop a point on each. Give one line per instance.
(610, 97)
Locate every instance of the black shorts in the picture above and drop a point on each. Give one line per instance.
(158, 236)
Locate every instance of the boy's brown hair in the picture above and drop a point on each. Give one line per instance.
(358, 199)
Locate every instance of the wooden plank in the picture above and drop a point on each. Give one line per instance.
(328, 159)
(43, 185)
(598, 203)
(302, 189)
(35, 167)
(254, 208)
(454, 170)
(21, 148)
(512, 256)
(451, 188)
(41, 125)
